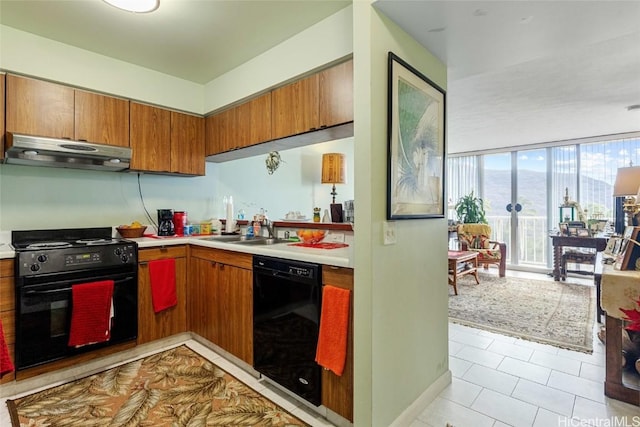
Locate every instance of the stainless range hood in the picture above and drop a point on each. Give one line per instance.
(65, 153)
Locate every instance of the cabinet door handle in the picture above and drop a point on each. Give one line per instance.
(143, 263)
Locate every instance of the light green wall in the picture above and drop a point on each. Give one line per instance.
(32, 55)
(400, 290)
(36, 197)
(320, 44)
(400, 298)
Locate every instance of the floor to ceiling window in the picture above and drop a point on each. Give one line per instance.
(524, 188)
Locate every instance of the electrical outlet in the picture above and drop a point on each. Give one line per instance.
(334, 237)
(389, 232)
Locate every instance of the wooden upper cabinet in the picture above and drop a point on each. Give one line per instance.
(36, 107)
(150, 135)
(241, 126)
(101, 119)
(218, 132)
(336, 95)
(295, 107)
(187, 144)
(253, 121)
(2, 115)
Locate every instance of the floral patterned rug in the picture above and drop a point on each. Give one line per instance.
(177, 387)
(556, 313)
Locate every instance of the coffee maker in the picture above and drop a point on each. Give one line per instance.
(165, 222)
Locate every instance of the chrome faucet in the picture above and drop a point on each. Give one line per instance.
(269, 226)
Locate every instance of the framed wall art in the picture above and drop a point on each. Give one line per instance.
(629, 256)
(416, 144)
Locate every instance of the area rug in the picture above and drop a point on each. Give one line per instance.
(556, 313)
(177, 387)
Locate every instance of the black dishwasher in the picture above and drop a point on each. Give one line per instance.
(286, 320)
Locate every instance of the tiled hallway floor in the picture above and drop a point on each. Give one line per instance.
(504, 381)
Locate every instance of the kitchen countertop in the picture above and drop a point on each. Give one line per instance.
(6, 251)
(340, 257)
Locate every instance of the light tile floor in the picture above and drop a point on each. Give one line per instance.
(504, 381)
(497, 381)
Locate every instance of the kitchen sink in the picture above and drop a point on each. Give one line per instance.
(260, 241)
(227, 239)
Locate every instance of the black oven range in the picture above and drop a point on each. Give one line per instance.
(48, 265)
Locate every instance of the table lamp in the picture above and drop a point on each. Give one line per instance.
(628, 185)
(333, 172)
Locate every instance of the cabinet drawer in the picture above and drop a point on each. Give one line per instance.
(146, 255)
(237, 259)
(341, 277)
(6, 268)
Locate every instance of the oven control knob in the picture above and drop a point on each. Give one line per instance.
(124, 258)
(118, 251)
(35, 267)
(42, 258)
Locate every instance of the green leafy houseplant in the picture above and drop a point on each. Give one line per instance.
(470, 209)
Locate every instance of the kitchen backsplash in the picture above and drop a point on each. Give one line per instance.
(41, 198)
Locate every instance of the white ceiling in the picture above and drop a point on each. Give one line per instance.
(519, 72)
(196, 40)
(526, 72)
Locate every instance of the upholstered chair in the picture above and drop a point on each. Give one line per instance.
(476, 237)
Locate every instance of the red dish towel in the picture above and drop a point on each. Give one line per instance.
(334, 324)
(6, 365)
(162, 274)
(91, 313)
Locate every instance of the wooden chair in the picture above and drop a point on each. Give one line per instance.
(476, 237)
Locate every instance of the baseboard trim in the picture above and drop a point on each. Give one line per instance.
(420, 404)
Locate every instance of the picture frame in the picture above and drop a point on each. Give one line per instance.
(564, 228)
(613, 246)
(629, 256)
(416, 143)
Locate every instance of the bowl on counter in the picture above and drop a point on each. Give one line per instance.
(131, 232)
(310, 236)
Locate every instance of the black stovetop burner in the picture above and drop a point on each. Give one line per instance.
(62, 238)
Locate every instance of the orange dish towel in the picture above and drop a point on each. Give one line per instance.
(6, 365)
(91, 313)
(334, 324)
(162, 274)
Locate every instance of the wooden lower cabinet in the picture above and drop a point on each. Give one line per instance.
(173, 320)
(221, 299)
(337, 391)
(7, 310)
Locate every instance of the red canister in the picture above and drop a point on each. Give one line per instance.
(179, 221)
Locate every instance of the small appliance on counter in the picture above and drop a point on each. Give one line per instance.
(165, 222)
(179, 221)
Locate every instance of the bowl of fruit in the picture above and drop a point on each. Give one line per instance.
(133, 230)
(310, 236)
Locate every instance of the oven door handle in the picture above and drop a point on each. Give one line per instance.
(68, 288)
